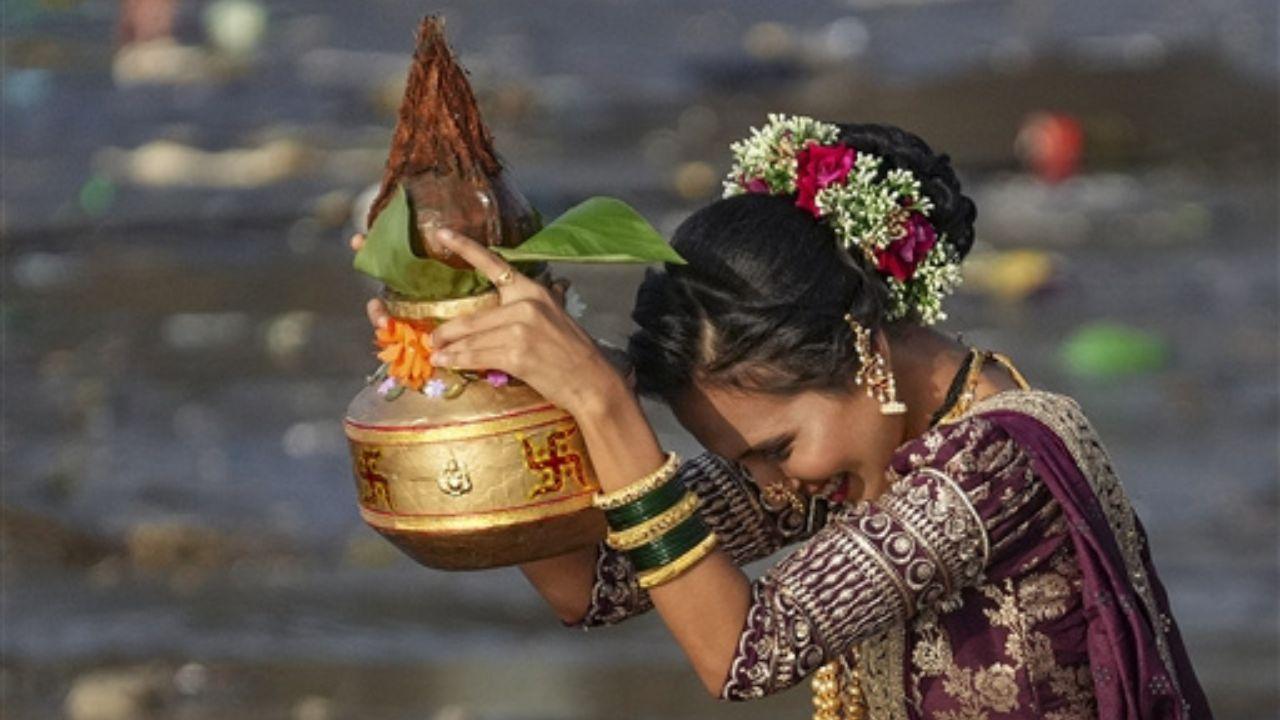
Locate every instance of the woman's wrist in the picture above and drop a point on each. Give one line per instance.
(601, 390)
(622, 445)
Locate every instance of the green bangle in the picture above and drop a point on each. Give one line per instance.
(683, 538)
(648, 506)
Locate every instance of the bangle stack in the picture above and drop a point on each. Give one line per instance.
(655, 521)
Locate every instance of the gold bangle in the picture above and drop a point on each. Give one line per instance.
(639, 488)
(677, 567)
(651, 529)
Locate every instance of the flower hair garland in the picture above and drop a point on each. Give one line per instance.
(882, 215)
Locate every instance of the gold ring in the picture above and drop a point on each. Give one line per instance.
(507, 277)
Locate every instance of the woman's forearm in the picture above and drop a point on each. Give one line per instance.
(565, 582)
(622, 448)
(620, 441)
(705, 608)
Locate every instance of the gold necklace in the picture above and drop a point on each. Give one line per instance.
(836, 697)
(966, 397)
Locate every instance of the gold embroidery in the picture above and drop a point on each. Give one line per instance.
(1016, 607)
(996, 687)
(1075, 685)
(880, 662)
(1044, 595)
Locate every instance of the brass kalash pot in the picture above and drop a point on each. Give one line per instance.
(494, 475)
(487, 472)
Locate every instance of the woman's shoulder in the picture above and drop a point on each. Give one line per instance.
(1032, 414)
(969, 446)
(1004, 436)
(996, 431)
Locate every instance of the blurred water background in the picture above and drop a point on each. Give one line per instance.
(183, 329)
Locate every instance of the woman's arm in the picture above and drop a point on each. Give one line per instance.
(746, 525)
(706, 607)
(531, 337)
(565, 582)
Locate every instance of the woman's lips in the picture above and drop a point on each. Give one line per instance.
(841, 493)
(835, 490)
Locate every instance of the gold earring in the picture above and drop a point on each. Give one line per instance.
(873, 371)
(777, 495)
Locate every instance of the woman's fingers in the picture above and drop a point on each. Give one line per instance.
(483, 359)
(499, 271)
(501, 341)
(519, 313)
(377, 312)
(357, 241)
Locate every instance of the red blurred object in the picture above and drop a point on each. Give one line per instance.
(1050, 145)
(145, 20)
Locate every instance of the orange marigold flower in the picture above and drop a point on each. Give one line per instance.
(405, 350)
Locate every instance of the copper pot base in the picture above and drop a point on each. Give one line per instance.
(499, 546)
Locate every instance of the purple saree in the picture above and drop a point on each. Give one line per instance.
(1003, 575)
(1138, 661)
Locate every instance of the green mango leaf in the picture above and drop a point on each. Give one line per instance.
(388, 256)
(597, 230)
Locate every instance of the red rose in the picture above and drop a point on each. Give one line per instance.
(818, 166)
(756, 185)
(901, 258)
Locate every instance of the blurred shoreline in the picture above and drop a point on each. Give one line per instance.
(183, 327)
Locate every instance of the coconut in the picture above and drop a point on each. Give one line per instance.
(442, 154)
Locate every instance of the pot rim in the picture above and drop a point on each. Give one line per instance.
(402, 307)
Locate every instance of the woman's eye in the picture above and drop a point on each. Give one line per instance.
(779, 454)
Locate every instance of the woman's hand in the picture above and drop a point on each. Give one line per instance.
(529, 335)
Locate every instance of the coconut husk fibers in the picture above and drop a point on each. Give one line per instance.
(443, 154)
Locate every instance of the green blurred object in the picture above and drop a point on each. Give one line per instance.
(97, 195)
(1110, 349)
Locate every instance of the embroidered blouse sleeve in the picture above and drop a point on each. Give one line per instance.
(731, 506)
(929, 536)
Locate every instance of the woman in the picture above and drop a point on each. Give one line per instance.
(964, 548)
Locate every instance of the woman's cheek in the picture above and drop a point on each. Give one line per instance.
(765, 473)
(814, 467)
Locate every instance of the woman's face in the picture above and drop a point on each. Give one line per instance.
(835, 444)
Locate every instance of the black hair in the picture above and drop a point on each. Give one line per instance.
(761, 302)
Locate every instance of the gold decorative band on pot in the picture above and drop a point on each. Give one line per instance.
(471, 521)
(524, 419)
(484, 467)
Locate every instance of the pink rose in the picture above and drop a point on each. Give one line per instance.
(818, 166)
(756, 185)
(905, 254)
